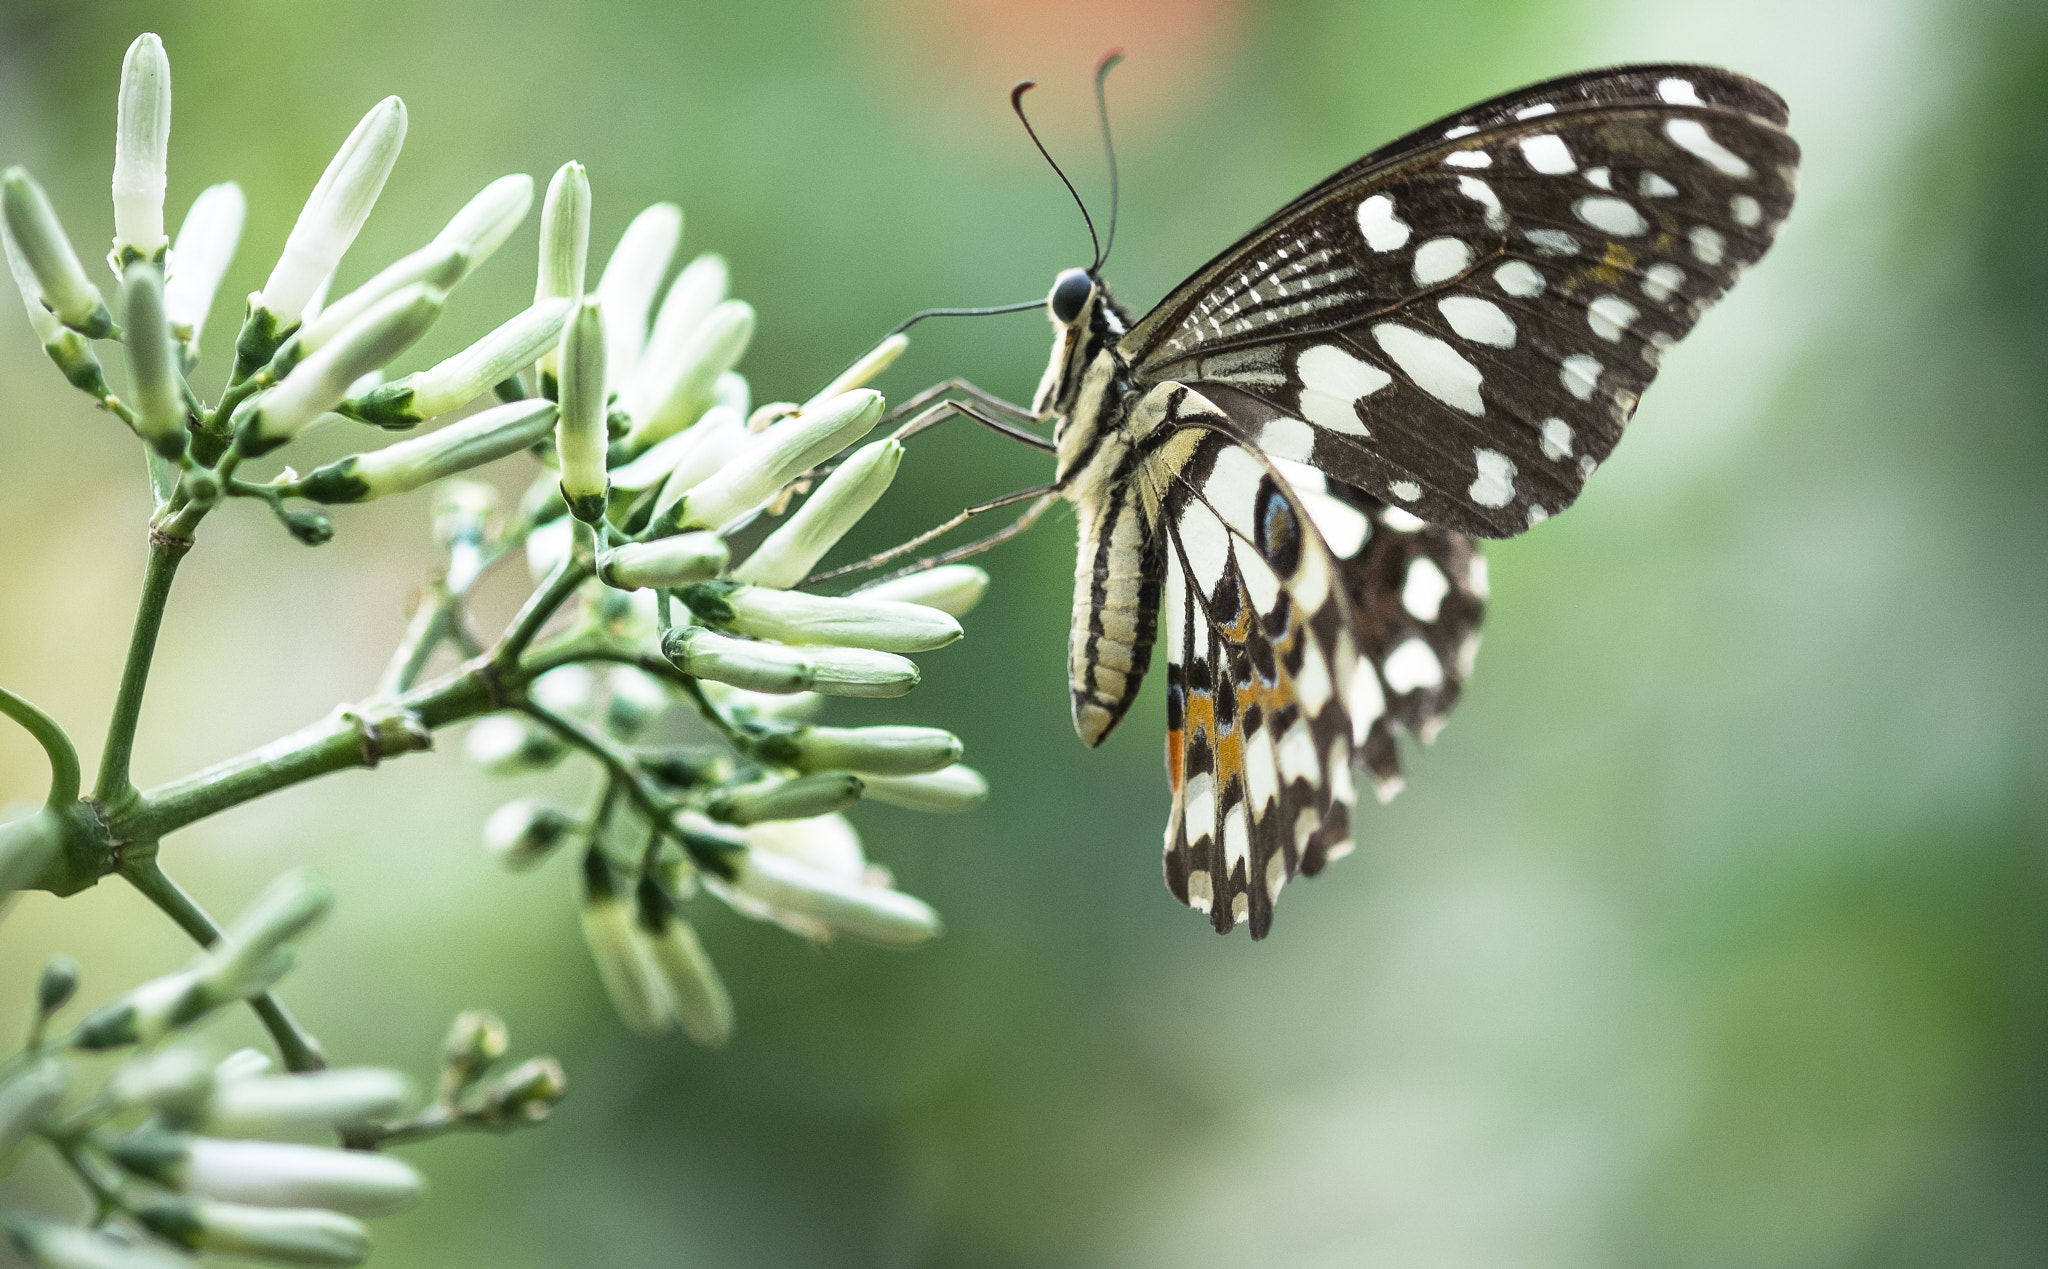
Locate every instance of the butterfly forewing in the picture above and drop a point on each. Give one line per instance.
(1464, 334)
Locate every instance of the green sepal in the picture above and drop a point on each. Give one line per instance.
(707, 602)
(150, 1152)
(388, 407)
(313, 528)
(258, 341)
(336, 482)
(589, 508)
(512, 389)
(174, 1219)
(80, 365)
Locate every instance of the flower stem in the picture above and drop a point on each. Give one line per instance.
(64, 770)
(113, 785)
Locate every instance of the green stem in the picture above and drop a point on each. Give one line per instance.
(113, 786)
(300, 1051)
(525, 627)
(64, 771)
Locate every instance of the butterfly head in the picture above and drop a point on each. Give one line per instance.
(1085, 322)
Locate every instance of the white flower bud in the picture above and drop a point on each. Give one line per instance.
(152, 361)
(859, 672)
(60, 278)
(523, 833)
(481, 438)
(485, 221)
(318, 384)
(52, 1246)
(788, 554)
(770, 667)
(874, 914)
(826, 842)
(200, 258)
(887, 751)
(631, 277)
(797, 617)
(243, 1064)
(696, 996)
(625, 962)
(714, 347)
(636, 699)
(800, 798)
(334, 212)
(700, 287)
(274, 1174)
(664, 563)
(580, 431)
(177, 1080)
(284, 910)
(272, 1104)
(564, 246)
(142, 145)
(467, 375)
(950, 588)
(435, 267)
(956, 788)
(699, 453)
(48, 329)
(776, 457)
(27, 1100)
(284, 1236)
(732, 392)
(860, 373)
(566, 689)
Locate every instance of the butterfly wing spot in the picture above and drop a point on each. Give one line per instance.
(1433, 365)
(1440, 259)
(1580, 374)
(1662, 280)
(1423, 589)
(1480, 321)
(1283, 437)
(1651, 185)
(1477, 579)
(1547, 153)
(1553, 242)
(1678, 92)
(1333, 383)
(1612, 215)
(1747, 211)
(1481, 193)
(1469, 158)
(1531, 112)
(1557, 439)
(1413, 666)
(1537, 515)
(1495, 484)
(1692, 136)
(1609, 316)
(1520, 279)
(1600, 176)
(1383, 229)
(1401, 521)
(1708, 246)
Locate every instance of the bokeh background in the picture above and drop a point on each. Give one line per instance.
(1714, 931)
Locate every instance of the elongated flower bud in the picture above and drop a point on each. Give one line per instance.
(526, 1094)
(285, 909)
(271, 1173)
(697, 998)
(776, 457)
(176, 1083)
(334, 212)
(243, 1064)
(468, 374)
(27, 1100)
(859, 672)
(508, 744)
(153, 362)
(284, 1236)
(481, 438)
(523, 833)
(142, 145)
(580, 431)
(55, 986)
(625, 963)
(317, 384)
(700, 453)
(700, 287)
(714, 347)
(486, 220)
(71, 351)
(874, 914)
(60, 278)
(49, 1245)
(892, 751)
(275, 1104)
(951, 588)
(199, 260)
(631, 277)
(664, 563)
(770, 667)
(956, 788)
(476, 1039)
(800, 798)
(789, 553)
(795, 617)
(564, 248)
(435, 267)
(862, 372)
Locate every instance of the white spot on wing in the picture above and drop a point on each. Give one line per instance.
(1312, 685)
(1660, 280)
(1557, 439)
(1200, 801)
(1423, 590)
(1679, 92)
(1554, 242)
(1413, 665)
(1366, 701)
(1611, 215)
(1207, 545)
(1495, 485)
(1470, 158)
(1480, 321)
(1531, 112)
(1548, 154)
(1463, 130)
(1332, 383)
(1441, 258)
(1600, 176)
(1343, 526)
(1298, 752)
(1537, 515)
(1383, 230)
(1406, 491)
(1609, 316)
(1747, 211)
(1691, 135)
(1708, 246)
(1482, 193)
(1580, 374)
(1519, 278)
(1476, 579)
(1287, 438)
(1435, 366)
(1652, 185)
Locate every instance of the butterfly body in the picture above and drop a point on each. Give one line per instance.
(1281, 470)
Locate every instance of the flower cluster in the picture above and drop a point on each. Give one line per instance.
(671, 530)
(184, 1151)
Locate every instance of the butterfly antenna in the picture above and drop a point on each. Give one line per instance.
(1017, 104)
(917, 317)
(1109, 62)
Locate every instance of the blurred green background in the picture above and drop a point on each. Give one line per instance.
(1711, 934)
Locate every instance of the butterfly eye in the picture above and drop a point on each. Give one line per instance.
(1070, 292)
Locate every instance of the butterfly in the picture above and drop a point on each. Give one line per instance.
(1283, 467)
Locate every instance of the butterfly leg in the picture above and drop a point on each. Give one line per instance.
(1048, 495)
(937, 403)
(1042, 492)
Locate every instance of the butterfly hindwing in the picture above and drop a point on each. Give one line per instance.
(1464, 331)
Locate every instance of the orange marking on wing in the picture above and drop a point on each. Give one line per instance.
(1173, 759)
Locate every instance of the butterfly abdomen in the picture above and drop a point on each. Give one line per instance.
(1117, 576)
